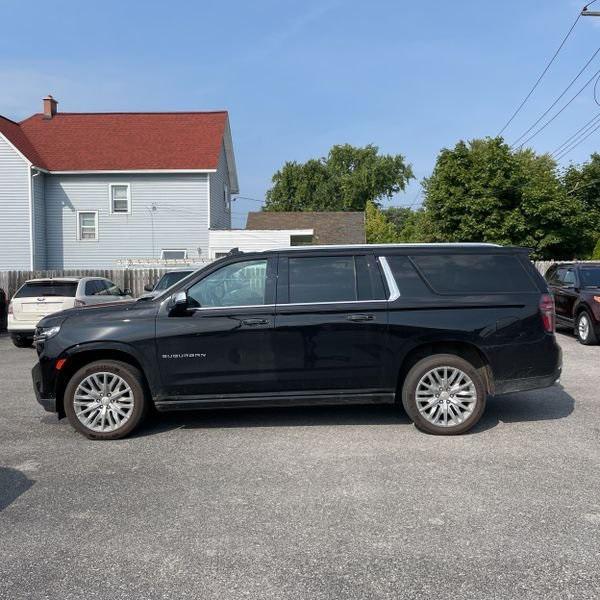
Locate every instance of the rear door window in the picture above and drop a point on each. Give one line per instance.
(315, 279)
(474, 273)
(47, 288)
(590, 276)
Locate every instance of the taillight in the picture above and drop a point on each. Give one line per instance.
(10, 309)
(79, 303)
(547, 312)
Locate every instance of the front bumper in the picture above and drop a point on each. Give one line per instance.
(45, 398)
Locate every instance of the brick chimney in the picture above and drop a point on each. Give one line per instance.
(50, 105)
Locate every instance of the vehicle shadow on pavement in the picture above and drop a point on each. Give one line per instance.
(297, 416)
(545, 405)
(539, 405)
(13, 483)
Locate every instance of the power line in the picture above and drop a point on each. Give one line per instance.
(539, 79)
(557, 99)
(585, 127)
(535, 133)
(573, 146)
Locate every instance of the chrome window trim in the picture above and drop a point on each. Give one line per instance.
(287, 304)
(389, 277)
(199, 308)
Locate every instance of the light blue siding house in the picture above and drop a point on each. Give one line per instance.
(94, 190)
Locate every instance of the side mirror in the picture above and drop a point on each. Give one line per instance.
(180, 299)
(148, 287)
(126, 292)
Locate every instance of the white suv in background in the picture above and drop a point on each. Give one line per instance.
(37, 298)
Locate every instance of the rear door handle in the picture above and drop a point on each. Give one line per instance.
(254, 322)
(360, 317)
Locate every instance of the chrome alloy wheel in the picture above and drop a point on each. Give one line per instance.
(583, 327)
(446, 396)
(103, 402)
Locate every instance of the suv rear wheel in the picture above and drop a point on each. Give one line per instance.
(105, 400)
(584, 329)
(444, 394)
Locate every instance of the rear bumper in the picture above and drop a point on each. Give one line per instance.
(23, 327)
(43, 396)
(530, 383)
(509, 386)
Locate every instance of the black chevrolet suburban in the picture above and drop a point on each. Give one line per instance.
(435, 327)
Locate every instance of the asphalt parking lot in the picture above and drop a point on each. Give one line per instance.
(345, 502)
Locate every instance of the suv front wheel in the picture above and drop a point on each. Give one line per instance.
(105, 400)
(444, 394)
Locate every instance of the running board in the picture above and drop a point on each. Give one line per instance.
(276, 399)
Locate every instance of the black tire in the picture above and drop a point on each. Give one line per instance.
(426, 365)
(132, 376)
(22, 341)
(591, 339)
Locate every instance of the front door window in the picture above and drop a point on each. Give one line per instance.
(237, 284)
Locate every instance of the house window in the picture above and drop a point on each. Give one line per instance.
(120, 198)
(301, 240)
(226, 199)
(173, 254)
(87, 225)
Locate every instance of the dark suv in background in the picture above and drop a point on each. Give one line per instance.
(435, 327)
(576, 291)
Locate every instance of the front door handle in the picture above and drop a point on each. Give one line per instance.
(360, 317)
(254, 322)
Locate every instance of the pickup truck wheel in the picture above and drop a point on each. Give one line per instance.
(584, 329)
(444, 394)
(105, 400)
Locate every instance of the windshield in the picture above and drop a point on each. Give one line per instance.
(590, 276)
(169, 279)
(47, 288)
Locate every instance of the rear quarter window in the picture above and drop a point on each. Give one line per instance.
(474, 273)
(49, 288)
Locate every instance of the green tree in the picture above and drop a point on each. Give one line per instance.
(379, 229)
(583, 183)
(346, 179)
(482, 191)
(596, 252)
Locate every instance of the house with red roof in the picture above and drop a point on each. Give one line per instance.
(91, 190)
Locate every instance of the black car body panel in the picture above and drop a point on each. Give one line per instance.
(284, 350)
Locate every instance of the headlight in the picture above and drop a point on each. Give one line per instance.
(45, 333)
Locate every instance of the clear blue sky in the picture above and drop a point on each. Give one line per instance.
(300, 76)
